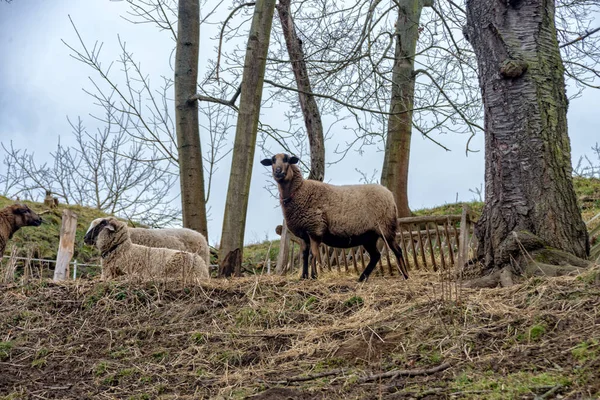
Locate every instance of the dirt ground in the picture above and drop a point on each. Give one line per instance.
(281, 338)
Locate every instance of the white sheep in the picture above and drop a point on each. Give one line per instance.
(171, 238)
(122, 257)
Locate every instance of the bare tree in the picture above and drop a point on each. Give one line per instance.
(588, 168)
(234, 221)
(308, 103)
(144, 110)
(529, 198)
(106, 170)
(394, 173)
(189, 151)
(350, 56)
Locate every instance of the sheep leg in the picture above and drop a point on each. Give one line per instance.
(314, 248)
(399, 257)
(305, 250)
(374, 256)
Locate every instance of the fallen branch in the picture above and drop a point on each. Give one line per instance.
(404, 372)
(340, 371)
(413, 393)
(550, 392)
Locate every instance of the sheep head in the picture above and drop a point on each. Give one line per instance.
(280, 163)
(101, 231)
(25, 216)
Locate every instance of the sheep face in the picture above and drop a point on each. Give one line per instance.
(280, 163)
(24, 216)
(101, 231)
(93, 230)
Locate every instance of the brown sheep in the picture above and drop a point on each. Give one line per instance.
(339, 216)
(13, 218)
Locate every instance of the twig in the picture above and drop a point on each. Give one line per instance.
(223, 29)
(58, 387)
(405, 372)
(580, 38)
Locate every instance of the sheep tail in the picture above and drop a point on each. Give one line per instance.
(398, 261)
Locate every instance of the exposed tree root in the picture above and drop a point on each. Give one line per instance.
(524, 254)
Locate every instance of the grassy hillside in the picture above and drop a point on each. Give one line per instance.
(274, 338)
(42, 242)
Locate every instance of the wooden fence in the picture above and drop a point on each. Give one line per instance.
(431, 243)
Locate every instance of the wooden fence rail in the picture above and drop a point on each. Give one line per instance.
(428, 243)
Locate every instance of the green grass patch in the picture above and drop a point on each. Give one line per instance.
(5, 349)
(354, 301)
(587, 350)
(516, 385)
(100, 368)
(199, 338)
(160, 356)
(536, 332)
(329, 363)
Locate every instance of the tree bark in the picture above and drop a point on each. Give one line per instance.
(308, 103)
(234, 221)
(394, 174)
(191, 173)
(528, 184)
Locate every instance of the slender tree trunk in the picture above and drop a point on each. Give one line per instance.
(394, 174)
(191, 174)
(234, 221)
(308, 103)
(528, 185)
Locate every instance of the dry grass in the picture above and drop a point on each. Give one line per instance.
(272, 337)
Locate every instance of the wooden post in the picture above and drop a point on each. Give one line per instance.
(463, 242)
(284, 245)
(66, 245)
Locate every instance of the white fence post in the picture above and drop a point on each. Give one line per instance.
(66, 245)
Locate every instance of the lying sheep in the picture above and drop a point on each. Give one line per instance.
(13, 218)
(339, 216)
(122, 257)
(171, 238)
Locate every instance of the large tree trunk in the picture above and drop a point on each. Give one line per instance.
(528, 185)
(394, 174)
(234, 221)
(191, 174)
(308, 104)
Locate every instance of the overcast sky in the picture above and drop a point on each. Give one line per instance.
(40, 85)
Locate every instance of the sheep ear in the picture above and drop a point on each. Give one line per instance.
(293, 160)
(266, 162)
(111, 227)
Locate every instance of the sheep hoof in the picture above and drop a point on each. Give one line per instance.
(362, 278)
